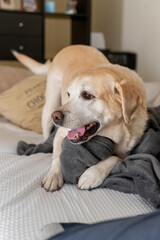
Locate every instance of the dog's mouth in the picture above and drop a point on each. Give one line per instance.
(83, 133)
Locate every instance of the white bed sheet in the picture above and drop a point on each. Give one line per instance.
(26, 208)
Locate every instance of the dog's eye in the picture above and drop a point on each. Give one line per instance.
(68, 94)
(87, 96)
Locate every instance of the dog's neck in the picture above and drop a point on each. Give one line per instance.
(126, 136)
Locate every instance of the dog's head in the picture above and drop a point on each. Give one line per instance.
(100, 99)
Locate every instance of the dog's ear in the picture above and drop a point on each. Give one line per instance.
(128, 97)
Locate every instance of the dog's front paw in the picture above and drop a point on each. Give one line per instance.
(52, 181)
(91, 178)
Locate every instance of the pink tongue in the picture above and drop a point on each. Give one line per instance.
(73, 132)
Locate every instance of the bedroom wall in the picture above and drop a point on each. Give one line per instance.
(57, 31)
(131, 26)
(107, 18)
(141, 33)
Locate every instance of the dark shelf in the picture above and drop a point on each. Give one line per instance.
(22, 28)
(19, 12)
(79, 15)
(56, 14)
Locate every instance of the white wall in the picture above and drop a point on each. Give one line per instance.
(141, 33)
(107, 18)
(132, 25)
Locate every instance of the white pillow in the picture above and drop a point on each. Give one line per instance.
(153, 93)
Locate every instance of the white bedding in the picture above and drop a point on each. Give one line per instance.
(25, 207)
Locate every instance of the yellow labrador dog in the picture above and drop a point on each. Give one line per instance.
(86, 95)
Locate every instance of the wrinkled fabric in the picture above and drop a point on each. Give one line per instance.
(138, 173)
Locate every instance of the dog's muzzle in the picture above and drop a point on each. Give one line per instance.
(76, 135)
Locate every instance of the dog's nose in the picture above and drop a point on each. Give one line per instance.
(57, 117)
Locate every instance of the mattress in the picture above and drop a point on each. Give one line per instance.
(26, 208)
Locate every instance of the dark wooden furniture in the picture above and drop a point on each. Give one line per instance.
(126, 59)
(24, 31)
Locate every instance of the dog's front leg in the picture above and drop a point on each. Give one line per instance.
(54, 179)
(96, 174)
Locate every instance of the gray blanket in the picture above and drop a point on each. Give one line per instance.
(139, 173)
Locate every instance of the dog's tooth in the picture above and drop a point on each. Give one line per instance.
(90, 125)
(77, 136)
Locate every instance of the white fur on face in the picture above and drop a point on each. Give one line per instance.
(79, 111)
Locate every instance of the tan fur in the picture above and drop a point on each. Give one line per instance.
(119, 105)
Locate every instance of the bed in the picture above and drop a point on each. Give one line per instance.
(26, 209)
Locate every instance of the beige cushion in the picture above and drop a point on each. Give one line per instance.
(11, 75)
(22, 104)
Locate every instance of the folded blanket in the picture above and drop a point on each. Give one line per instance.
(24, 148)
(138, 173)
(139, 227)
